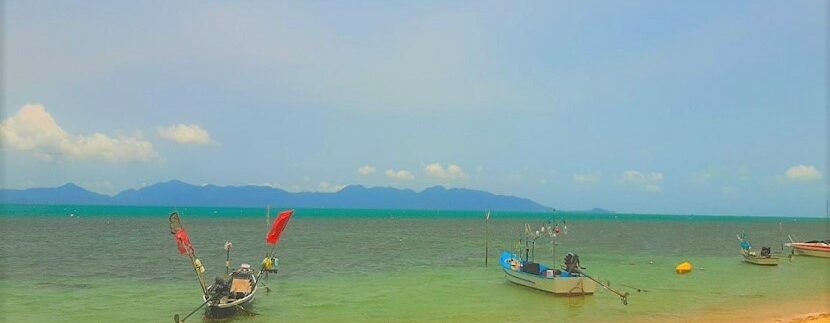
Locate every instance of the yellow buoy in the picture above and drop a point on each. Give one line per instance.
(684, 267)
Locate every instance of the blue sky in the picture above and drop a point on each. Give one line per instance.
(649, 107)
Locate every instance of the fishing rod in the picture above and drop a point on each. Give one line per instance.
(635, 288)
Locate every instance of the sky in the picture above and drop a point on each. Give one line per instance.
(692, 107)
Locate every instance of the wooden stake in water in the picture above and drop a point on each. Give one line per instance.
(268, 215)
(486, 238)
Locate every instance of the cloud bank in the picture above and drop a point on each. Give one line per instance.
(803, 173)
(366, 170)
(400, 174)
(451, 172)
(186, 134)
(33, 130)
(647, 182)
(586, 179)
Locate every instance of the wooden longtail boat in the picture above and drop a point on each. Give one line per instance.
(227, 296)
(753, 258)
(765, 258)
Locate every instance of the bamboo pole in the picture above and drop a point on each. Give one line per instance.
(486, 238)
(191, 254)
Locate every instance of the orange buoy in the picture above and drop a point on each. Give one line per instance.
(684, 267)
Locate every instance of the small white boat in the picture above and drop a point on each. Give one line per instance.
(537, 276)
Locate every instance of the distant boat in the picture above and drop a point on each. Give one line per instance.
(815, 248)
(765, 258)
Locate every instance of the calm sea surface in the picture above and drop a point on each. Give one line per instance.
(120, 264)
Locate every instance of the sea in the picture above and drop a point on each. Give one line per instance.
(64, 263)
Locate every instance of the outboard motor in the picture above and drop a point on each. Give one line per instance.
(220, 288)
(572, 263)
(765, 251)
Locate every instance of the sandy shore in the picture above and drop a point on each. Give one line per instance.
(812, 318)
(805, 310)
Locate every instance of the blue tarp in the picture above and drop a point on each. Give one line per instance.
(505, 259)
(507, 255)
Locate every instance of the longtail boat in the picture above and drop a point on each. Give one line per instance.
(233, 292)
(765, 258)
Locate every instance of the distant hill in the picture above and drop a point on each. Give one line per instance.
(67, 194)
(178, 193)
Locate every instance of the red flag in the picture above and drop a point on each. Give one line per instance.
(183, 241)
(279, 225)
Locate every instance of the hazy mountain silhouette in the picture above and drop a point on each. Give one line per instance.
(178, 193)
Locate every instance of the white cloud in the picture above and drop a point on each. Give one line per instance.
(186, 134)
(33, 129)
(803, 173)
(648, 182)
(586, 179)
(326, 187)
(451, 172)
(366, 170)
(400, 174)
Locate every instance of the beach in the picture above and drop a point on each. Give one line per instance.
(121, 264)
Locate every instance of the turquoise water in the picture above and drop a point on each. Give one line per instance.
(120, 264)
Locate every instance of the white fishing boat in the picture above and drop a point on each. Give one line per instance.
(568, 280)
(537, 276)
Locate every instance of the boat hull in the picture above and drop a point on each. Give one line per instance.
(222, 310)
(764, 261)
(555, 285)
(811, 249)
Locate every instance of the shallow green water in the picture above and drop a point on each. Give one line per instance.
(119, 264)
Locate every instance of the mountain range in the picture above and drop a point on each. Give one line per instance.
(177, 193)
